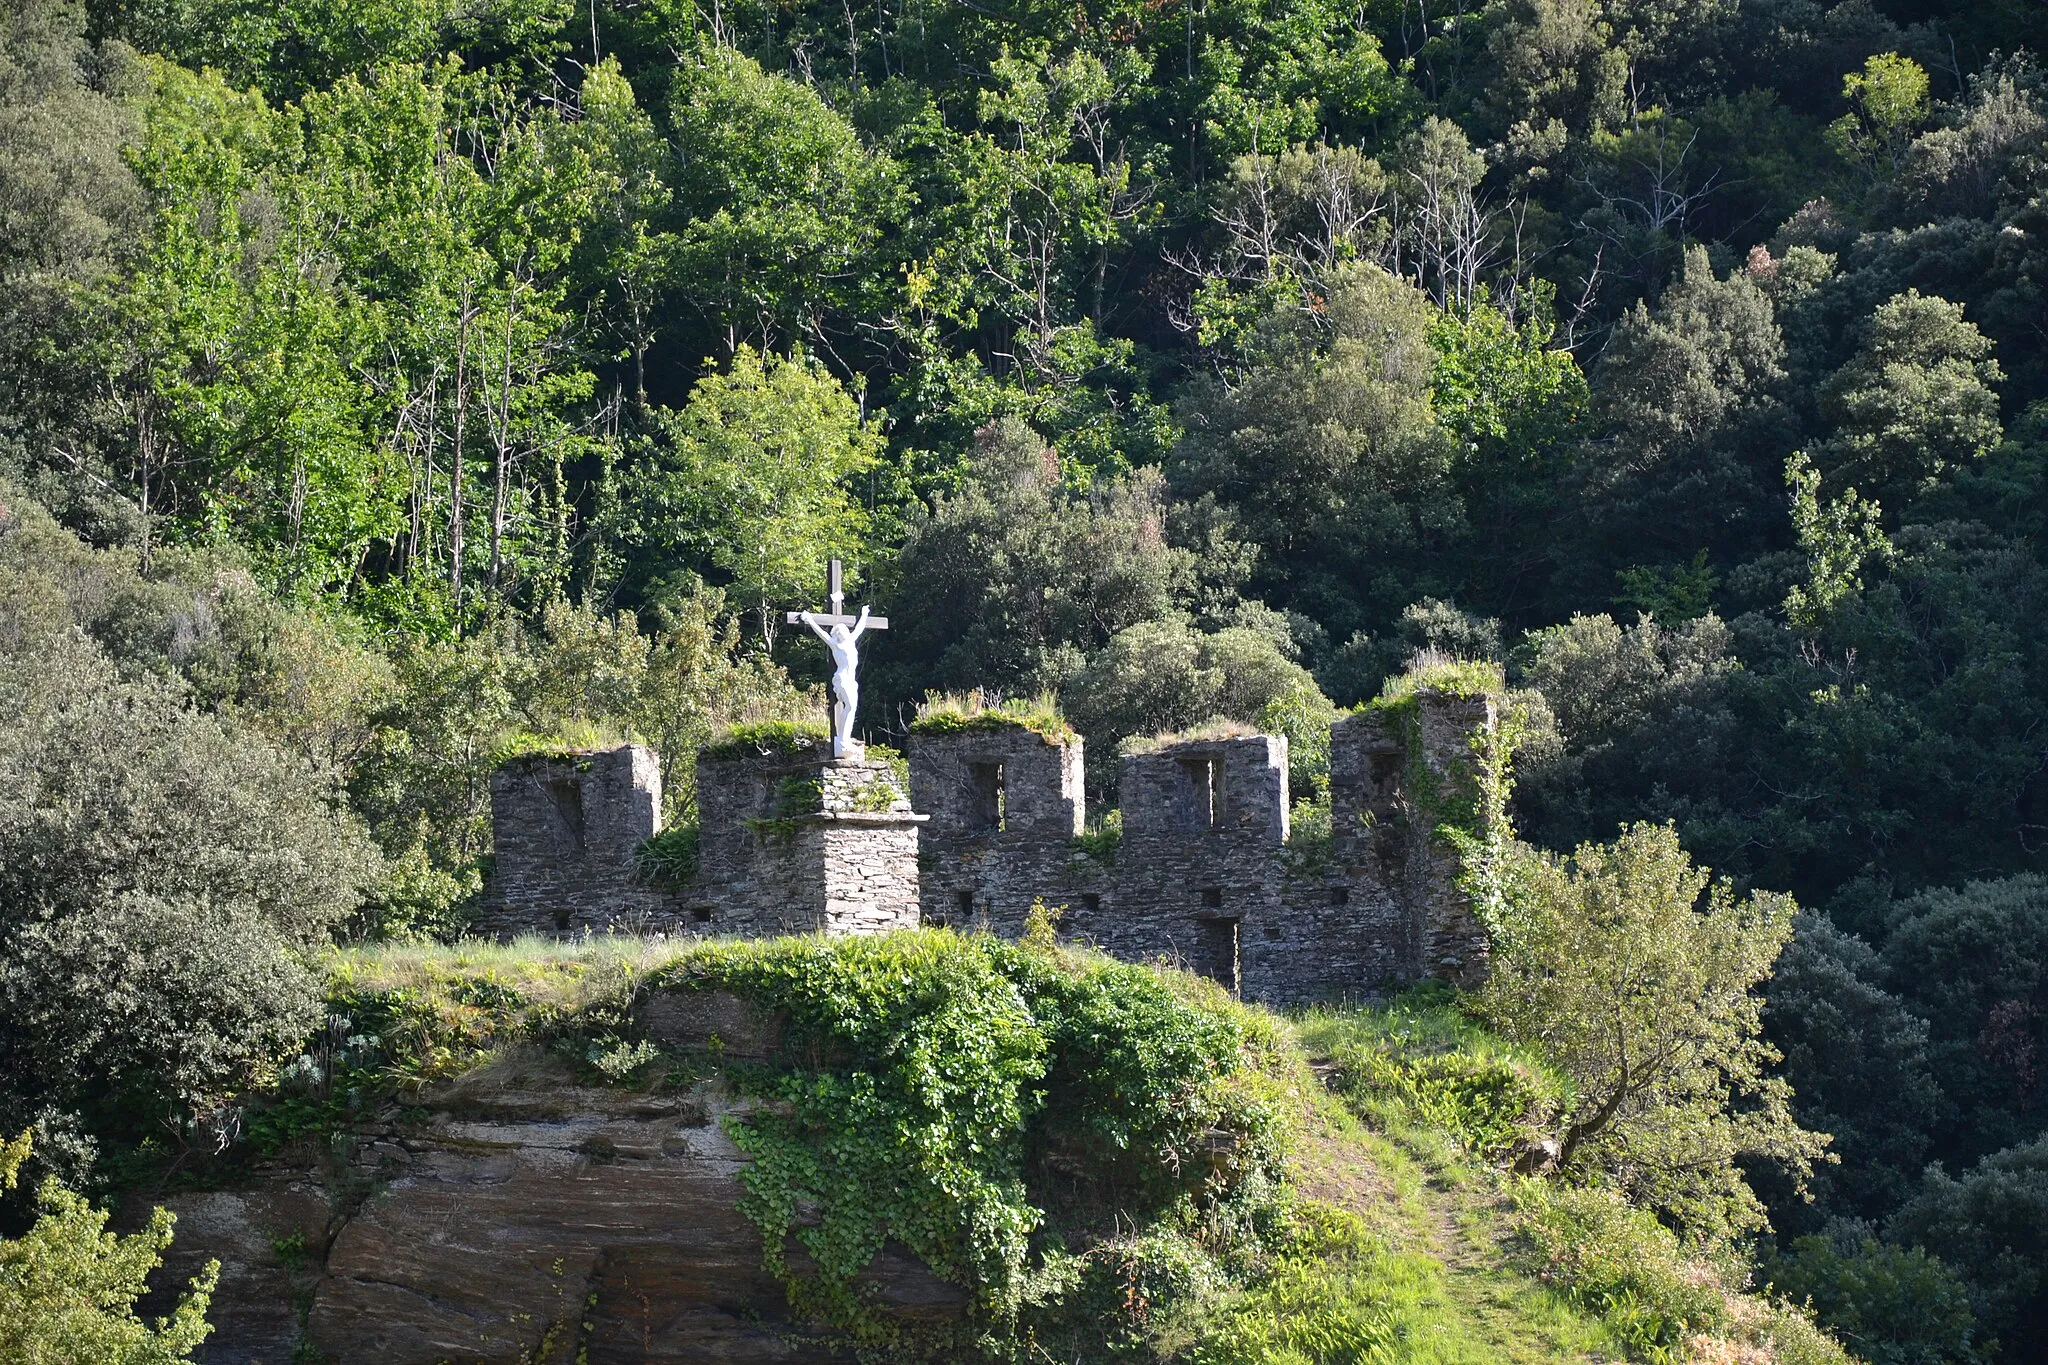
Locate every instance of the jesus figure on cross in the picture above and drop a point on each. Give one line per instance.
(841, 634)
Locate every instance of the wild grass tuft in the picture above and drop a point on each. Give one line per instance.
(953, 713)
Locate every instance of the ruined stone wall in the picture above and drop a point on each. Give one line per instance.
(797, 842)
(1204, 875)
(567, 829)
(1005, 805)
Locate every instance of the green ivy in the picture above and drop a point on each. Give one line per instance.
(796, 800)
(938, 1072)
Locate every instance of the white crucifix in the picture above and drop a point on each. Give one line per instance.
(841, 634)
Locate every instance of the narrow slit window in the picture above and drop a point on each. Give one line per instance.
(565, 798)
(964, 902)
(1201, 791)
(990, 801)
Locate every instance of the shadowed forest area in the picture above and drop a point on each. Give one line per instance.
(391, 387)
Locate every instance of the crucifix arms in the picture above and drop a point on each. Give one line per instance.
(818, 621)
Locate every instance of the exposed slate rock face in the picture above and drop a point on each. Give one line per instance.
(522, 1218)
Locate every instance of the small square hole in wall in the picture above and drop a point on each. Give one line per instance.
(1090, 901)
(1340, 895)
(701, 913)
(1212, 898)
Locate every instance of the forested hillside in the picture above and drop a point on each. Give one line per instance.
(391, 386)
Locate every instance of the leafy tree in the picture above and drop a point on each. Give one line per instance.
(1329, 453)
(1637, 975)
(1161, 676)
(1015, 579)
(1916, 402)
(1973, 962)
(1991, 1223)
(1966, 167)
(1353, 672)
(1688, 399)
(68, 1287)
(1857, 1060)
(68, 204)
(1642, 711)
(1891, 1305)
(755, 478)
(165, 874)
(780, 203)
(1890, 99)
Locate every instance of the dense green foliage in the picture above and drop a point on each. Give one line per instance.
(68, 1287)
(409, 383)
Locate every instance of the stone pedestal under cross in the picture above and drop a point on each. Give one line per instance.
(841, 634)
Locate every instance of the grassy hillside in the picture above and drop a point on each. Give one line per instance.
(1119, 1162)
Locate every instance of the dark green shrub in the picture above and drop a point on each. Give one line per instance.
(670, 857)
(1891, 1305)
(166, 874)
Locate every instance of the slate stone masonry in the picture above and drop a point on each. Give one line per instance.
(795, 841)
(792, 842)
(567, 831)
(1203, 875)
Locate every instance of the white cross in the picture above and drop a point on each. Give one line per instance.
(841, 634)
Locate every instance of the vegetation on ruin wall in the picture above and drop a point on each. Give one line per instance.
(761, 739)
(1454, 806)
(957, 713)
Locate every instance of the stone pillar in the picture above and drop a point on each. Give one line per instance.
(1454, 944)
(795, 841)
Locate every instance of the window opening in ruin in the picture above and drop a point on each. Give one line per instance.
(1212, 898)
(701, 914)
(990, 798)
(1217, 952)
(1090, 901)
(562, 917)
(1340, 895)
(965, 900)
(1201, 791)
(565, 798)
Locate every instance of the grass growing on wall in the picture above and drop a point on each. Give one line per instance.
(955, 713)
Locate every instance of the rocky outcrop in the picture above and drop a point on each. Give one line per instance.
(515, 1217)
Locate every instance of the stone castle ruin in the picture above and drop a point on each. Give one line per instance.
(991, 821)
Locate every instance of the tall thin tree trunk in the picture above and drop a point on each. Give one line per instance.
(455, 459)
(501, 474)
(145, 442)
